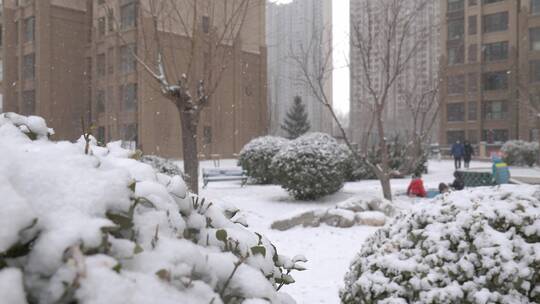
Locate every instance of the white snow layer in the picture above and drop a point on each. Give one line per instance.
(105, 228)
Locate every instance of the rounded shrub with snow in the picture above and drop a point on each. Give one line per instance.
(311, 166)
(256, 157)
(101, 227)
(520, 153)
(480, 246)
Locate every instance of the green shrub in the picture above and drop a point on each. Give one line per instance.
(520, 153)
(311, 166)
(256, 157)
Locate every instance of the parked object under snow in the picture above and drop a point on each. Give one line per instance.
(104, 228)
(477, 246)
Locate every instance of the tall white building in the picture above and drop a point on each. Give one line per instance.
(289, 27)
(421, 75)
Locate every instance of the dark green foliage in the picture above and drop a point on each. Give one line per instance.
(311, 166)
(296, 123)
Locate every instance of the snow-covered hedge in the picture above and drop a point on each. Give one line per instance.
(256, 157)
(520, 153)
(480, 246)
(311, 166)
(162, 165)
(104, 228)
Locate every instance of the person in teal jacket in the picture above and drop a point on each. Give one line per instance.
(500, 171)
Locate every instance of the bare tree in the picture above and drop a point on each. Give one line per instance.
(423, 105)
(385, 42)
(207, 32)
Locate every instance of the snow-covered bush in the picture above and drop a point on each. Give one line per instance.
(311, 166)
(104, 228)
(520, 153)
(256, 157)
(479, 246)
(162, 165)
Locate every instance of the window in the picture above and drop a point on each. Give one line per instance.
(207, 135)
(456, 5)
(472, 136)
(456, 112)
(127, 60)
(100, 107)
(110, 60)
(128, 95)
(206, 24)
(534, 38)
(101, 1)
(473, 2)
(453, 136)
(535, 135)
(491, 1)
(534, 71)
(495, 51)
(130, 136)
(496, 22)
(456, 55)
(29, 29)
(101, 134)
(101, 26)
(472, 25)
(495, 81)
(456, 29)
(16, 32)
(101, 65)
(473, 51)
(473, 82)
(29, 103)
(535, 7)
(492, 136)
(128, 15)
(472, 111)
(110, 20)
(1, 70)
(456, 84)
(495, 110)
(29, 66)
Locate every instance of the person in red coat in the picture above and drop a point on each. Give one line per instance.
(416, 187)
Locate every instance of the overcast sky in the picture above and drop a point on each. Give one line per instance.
(341, 52)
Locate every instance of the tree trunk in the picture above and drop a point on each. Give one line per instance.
(189, 122)
(385, 174)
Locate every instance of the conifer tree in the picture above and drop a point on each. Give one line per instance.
(296, 122)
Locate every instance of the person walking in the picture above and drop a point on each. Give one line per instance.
(468, 152)
(457, 152)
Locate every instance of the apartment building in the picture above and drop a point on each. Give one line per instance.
(68, 60)
(291, 28)
(490, 70)
(418, 78)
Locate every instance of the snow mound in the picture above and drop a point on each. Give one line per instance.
(360, 211)
(475, 246)
(105, 228)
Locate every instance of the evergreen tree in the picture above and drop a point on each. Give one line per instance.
(296, 123)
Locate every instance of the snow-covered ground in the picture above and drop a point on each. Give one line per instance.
(328, 249)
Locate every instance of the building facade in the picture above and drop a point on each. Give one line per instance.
(68, 60)
(419, 78)
(291, 27)
(490, 70)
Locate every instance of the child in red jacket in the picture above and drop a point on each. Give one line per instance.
(416, 187)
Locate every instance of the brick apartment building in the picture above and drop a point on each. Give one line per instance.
(490, 70)
(67, 59)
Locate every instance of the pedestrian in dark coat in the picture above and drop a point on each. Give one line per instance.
(468, 153)
(457, 152)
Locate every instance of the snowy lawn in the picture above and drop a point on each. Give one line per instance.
(329, 250)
